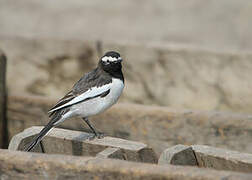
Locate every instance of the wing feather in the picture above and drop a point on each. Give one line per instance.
(92, 84)
(69, 99)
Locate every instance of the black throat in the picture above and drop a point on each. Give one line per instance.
(114, 71)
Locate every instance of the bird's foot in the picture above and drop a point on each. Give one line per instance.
(91, 137)
(99, 135)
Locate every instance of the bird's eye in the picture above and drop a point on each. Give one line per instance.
(107, 61)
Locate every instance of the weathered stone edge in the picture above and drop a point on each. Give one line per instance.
(220, 152)
(33, 165)
(207, 157)
(56, 133)
(114, 147)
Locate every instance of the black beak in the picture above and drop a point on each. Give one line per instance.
(120, 60)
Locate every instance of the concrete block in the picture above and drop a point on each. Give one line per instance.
(61, 141)
(178, 155)
(22, 165)
(222, 159)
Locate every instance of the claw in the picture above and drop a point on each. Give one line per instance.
(99, 135)
(91, 137)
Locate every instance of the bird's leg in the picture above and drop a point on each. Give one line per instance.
(42, 147)
(97, 134)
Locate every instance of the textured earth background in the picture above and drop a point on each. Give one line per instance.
(193, 55)
(187, 65)
(171, 76)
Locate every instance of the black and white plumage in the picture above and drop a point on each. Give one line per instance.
(95, 92)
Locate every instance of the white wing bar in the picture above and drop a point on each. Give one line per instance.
(94, 91)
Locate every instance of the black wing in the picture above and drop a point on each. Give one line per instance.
(95, 78)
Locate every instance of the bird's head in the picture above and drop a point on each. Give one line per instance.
(111, 61)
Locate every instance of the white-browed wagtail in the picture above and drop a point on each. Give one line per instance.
(95, 92)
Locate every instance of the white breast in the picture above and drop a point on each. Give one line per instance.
(115, 90)
(100, 104)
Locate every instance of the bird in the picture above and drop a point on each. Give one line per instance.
(95, 92)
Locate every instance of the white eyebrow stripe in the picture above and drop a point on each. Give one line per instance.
(111, 59)
(92, 92)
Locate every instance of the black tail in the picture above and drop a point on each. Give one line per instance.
(55, 117)
(39, 137)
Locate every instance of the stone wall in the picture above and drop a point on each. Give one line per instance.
(161, 75)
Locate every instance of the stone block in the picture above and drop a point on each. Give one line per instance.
(222, 159)
(178, 155)
(22, 165)
(62, 141)
(158, 127)
(111, 152)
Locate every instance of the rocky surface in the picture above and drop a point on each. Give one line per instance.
(178, 155)
(61, 141)
(158, 127)
(222, 159)
(158, 74)
(207, 157)
(21, 165)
